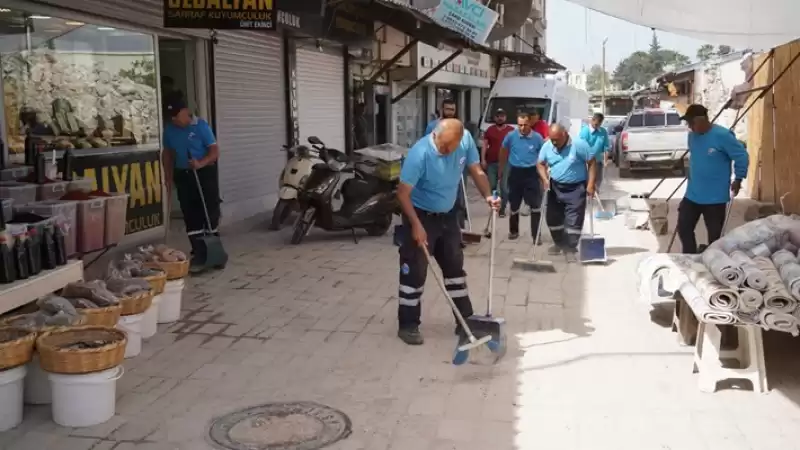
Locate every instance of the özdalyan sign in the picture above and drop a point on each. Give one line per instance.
(467, 17)
(220, 14)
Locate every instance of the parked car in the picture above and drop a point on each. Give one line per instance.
(651, 139)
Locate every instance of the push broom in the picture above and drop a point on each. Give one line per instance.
(468, 236)
(462, 350)
(533, 264)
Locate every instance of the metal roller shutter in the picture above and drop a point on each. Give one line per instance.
(320, 92)
(148, 13)
(251, 119)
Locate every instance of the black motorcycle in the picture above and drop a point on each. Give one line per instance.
(339, 197)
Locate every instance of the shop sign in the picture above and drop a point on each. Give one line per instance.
(135, 173)
(467, 17)
(342, 23)
(220, 14)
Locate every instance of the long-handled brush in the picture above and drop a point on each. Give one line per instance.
(488, 325)
(533, 264)
(468, 236)
(462, 350)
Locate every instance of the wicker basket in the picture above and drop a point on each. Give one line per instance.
(157, 282)
(16, 347)
(137, 304)
(101, 317)
(55, 355)
(174, 270)
(6, 322)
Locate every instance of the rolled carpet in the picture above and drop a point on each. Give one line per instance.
(776, 298)
(750, 300)
(783, 257)
(719, 297)
(754, 278)
(780, 322)
(701, 309)
(723, 267)
(664, 269)
(749, 318)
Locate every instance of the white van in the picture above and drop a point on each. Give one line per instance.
(554, 99)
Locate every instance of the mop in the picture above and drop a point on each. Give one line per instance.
(489, 325)
(533, 264)
(592, 248)
(468, 236)
(462, 350)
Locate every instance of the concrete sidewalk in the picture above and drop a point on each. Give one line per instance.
(586, 368)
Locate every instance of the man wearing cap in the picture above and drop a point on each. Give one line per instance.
(518, 156)
(490, 156)
(712, 149)
(190, 145)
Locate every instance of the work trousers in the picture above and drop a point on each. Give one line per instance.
(689, 213)
(192, 205)
(461, 205)
(524, 184)
(566, 211)
(444, 244)
(498, 183)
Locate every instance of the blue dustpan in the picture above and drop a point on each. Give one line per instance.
(592, 248)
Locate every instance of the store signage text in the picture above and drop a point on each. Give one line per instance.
(288, 19)
(135, 173)
(466, 69)
(219, 14)
(343, 22)
(467, 17)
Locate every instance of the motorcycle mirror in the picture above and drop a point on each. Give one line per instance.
(315, 140)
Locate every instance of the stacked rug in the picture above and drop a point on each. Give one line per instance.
(751, 276)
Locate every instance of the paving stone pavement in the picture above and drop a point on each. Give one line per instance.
(586, 367)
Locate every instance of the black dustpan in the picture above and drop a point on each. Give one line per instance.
(216, 257)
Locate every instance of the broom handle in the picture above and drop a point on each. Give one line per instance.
(466, 202)
(591, 219)
(491, 261)
(453, 306)
(542, 213)
(200, 191)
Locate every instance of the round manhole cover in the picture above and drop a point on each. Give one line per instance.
(281, 426)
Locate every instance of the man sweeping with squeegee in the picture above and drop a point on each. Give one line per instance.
(429, 183)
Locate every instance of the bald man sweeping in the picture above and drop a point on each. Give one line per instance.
(429, 184)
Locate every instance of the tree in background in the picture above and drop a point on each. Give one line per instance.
(724, 50)
(705, 52)
(641, 67)
(594, 79)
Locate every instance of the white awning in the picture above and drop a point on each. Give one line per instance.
(754, 24)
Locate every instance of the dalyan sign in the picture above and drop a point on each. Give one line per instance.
(220, 14)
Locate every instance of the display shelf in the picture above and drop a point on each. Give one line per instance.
(22, 292)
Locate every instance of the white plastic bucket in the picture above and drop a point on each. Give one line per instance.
(169, 310)
(11, 393)
(150, 319)
(132, 326)
(37, 384)
(85, 400)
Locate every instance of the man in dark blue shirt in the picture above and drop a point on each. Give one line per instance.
(712, 149)
(519, 155)
(429, 183)
(189, 144)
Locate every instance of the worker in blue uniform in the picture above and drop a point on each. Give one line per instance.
(519, 155)
(567, 171)
(597, 137)
(712, 149)
(429, 183)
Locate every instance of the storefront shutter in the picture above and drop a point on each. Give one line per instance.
(251, 119)
(146, 13)
(320, 91)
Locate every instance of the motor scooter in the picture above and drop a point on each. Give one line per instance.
(293, 177)
(338, 196)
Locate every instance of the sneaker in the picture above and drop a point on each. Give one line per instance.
(410, 336)
(502, 214)
(554, 250)
(513, 236)
(571, 254)
(197, 266)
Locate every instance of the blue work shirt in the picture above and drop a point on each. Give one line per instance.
(568, 165)
(710, 157)
(523, 151)
(597, 140)
(436, 178)
(193, 139)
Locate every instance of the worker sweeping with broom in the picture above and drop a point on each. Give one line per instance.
(429, 183)
(567, 172)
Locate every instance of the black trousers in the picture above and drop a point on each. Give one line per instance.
(192, 206)
(461, 206)
(524, 184)
(689, 213)
(566, 211)
(444, 244)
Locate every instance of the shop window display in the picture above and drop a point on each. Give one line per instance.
(77, 85)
